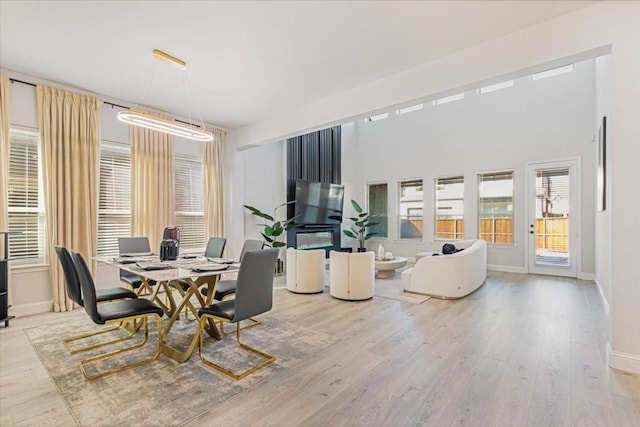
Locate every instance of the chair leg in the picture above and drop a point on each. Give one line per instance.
(236, 376)
(74, 350)
(145, 322)
(254, 322)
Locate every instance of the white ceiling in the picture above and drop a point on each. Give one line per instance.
(246, 61)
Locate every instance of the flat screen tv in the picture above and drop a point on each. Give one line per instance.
(318, 202)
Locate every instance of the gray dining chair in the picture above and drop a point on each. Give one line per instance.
(74, 292)
(254, 296)
(226, 288)
(111, 312)
(132, 245)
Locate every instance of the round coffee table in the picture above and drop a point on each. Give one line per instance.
(387, 268)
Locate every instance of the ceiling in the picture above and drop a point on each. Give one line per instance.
(246, 60)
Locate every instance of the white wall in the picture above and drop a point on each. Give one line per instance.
(605, 27)
(603, 218)
(264, 184)
(549, 119)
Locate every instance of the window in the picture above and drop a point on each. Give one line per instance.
(376, 117)
(26, 203)
(114, 200)
(495, 206)
(377, 205)
(189, 202)
(406, 110)
(495, 87)
(410, 202)
(447, 99)
(449, 208)
(553, 72)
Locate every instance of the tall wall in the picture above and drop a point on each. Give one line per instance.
(533, 121)
(603, 218)
(604, 27)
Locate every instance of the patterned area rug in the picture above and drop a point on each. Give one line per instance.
(165, 393)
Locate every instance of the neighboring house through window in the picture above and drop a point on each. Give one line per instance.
(495, 206)
(377, 205)
(449, 215)
(410, 202)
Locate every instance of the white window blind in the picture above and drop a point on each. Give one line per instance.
(25, 204)
(449, 207)
(114, 205)
(189, 202)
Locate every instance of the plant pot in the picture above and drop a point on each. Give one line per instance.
(362, 249)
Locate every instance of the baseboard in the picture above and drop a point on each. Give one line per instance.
(603, 298)
(33, 308)
(506, 268)
(587, 276)
(623, 361)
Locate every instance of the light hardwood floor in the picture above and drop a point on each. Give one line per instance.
(523, 350)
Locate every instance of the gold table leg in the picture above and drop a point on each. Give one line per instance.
(212, 330)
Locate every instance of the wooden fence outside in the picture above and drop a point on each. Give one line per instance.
(551, 233)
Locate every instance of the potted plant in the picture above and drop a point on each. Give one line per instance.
(358, 230)
(273, 229)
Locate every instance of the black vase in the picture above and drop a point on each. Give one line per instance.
(362, 249)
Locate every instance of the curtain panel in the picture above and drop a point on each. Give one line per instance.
(152, 186)
(69, 144)
(4, 153)
(212, 158)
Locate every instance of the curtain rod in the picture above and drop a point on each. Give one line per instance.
(117, 105)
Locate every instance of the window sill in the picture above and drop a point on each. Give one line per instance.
(27, 268)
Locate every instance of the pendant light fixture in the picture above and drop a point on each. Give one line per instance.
(136, 117)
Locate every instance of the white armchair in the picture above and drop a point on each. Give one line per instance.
(449, 276)
(305, 270)
(351, 275)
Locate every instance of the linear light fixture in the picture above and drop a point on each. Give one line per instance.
(145, 120)
(136, 117)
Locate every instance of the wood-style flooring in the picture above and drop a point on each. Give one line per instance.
(523, 350)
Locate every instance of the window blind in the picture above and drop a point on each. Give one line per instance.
(189, 202)
(114, 204)
(25, 204)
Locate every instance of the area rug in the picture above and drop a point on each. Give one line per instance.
(166, 393)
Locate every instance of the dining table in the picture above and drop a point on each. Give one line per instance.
(195, 272)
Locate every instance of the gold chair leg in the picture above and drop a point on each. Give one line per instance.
(145, 321)
(254, 322)
(236, 376)
(74, 350)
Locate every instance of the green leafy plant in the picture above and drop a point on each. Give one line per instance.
(361, 223)
(273, 229)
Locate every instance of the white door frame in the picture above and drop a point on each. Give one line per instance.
(575, 219)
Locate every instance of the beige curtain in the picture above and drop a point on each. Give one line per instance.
(4, 154)
(69, 144)
(152, 198)
(212, 157)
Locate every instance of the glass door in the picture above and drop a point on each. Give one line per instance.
(553, 215)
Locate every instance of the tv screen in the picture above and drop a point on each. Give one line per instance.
(318, 202)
